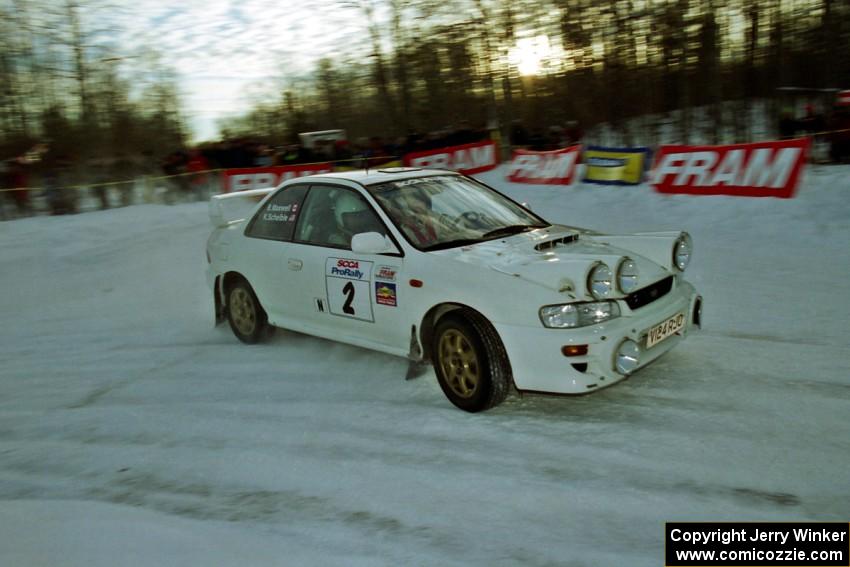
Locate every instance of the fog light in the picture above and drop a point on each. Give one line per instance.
(574, 350)
(627, 357)
(697, 316)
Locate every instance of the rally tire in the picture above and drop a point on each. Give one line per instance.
(470, 361)
(247, 318)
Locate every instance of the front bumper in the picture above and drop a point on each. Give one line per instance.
(539, 365)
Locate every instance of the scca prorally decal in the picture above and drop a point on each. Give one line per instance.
(349, 269)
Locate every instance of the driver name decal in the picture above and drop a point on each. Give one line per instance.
(282, 213)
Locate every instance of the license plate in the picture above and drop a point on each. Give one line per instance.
(665, 329)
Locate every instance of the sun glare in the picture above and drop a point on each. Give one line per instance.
(529, 54)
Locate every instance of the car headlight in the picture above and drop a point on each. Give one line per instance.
(682, 251)
(627, 275)
(573, 315)
(599, 281)
(627, 357)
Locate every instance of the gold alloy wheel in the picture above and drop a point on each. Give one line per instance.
(242, 311)
(459, 363)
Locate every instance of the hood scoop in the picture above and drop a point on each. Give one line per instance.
(549, 244)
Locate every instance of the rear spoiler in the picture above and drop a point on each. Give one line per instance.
(229, 207)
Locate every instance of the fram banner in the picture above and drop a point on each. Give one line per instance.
(763, 169)
(245, 178)
(468, 158)
(615, 166)
(556, 167)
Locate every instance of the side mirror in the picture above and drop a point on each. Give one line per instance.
(525, 206)
(372, 243)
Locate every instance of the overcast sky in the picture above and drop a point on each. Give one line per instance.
(228, 53)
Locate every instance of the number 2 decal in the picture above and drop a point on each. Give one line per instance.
(348, 290)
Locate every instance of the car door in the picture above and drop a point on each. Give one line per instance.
(341, 295)
(263, 256)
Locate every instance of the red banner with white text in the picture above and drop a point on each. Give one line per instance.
(245, 178)
(468, 158)
(556, 167)
(762, 169)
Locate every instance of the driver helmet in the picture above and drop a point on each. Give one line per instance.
(346, 204)
(414, 201)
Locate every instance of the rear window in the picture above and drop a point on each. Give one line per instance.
(276, 220)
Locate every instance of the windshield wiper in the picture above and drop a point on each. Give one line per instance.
(510, 229)
(451, 244)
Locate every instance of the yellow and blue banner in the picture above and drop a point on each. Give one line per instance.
(615, 166)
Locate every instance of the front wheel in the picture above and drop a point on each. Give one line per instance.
(470, 361)
(246, 316)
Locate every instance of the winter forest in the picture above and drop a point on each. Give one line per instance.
(424, 65)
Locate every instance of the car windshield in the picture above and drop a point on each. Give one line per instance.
(444, 211)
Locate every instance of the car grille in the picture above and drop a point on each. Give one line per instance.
(650, 293)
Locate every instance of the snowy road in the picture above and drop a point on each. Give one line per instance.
(130, 428)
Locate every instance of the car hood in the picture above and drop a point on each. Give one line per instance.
(560, 258)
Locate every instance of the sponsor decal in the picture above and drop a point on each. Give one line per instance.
(615, 166)
(550, 168)
(468, 158)
(244, 179)
(386, 273)
(385, 294)
(763, 169)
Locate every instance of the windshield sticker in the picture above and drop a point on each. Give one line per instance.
(416, 181)
(396, 185)
(385, 273)
(348, 284)
(385, 294)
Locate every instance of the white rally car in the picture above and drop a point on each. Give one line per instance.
(437, 267)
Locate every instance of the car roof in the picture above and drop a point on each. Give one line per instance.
(378, 175)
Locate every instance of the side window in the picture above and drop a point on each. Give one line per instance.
(332, 215)
(276, 220)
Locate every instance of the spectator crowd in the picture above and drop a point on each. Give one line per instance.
(42, 181)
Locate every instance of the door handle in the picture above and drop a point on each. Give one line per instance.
(294, 264)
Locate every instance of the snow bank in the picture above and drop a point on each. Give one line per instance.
(134, 432)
